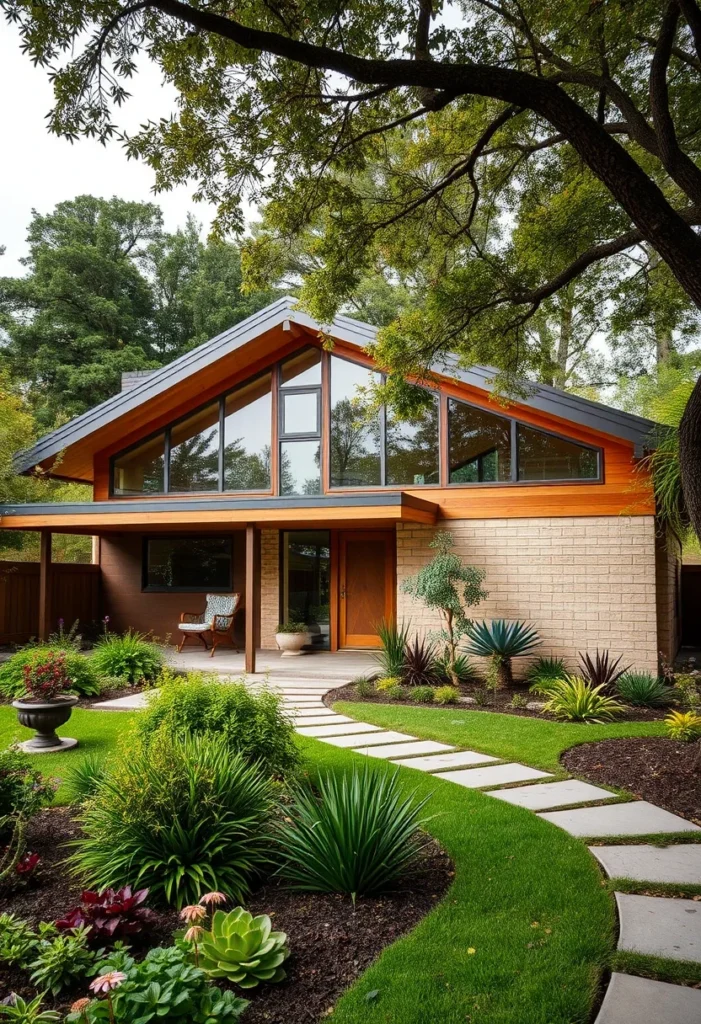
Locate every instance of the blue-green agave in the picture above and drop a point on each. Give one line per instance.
(501, 641)
(243, 949)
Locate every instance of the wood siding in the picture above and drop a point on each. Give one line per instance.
(74, 594)
(128, 606)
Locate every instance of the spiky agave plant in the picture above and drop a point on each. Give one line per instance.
(420, 665)
(576, 700)
(500, 641)
(602, 670)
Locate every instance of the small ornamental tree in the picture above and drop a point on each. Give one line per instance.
(450, 587)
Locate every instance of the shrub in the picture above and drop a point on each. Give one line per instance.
(243, 949)
(49, 679)
(643, 690)
(132, 657)
(358, 836)
(544, 672)
(460, 669)
(576, 700)
(421, 694)
(110, 914)
(84, 679)
(387, 683)
(83, 779)
(420, 665)
(23, 789)
(17, 941)
(61, 961)
(601, 670)
(364, 688)
(501, 641)
(163, 988)
(292, 627)
(21, 1012)
(180, 815)
(684, 726)
(396, 693)
(519, 702)
(253, 724)
(394, 640)
(482, 696)
(446, 695)
(686, 691)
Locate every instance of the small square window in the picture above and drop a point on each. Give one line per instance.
(300, 412)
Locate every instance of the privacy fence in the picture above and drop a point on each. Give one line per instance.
(74, 594)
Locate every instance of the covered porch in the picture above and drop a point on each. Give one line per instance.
(356, 534)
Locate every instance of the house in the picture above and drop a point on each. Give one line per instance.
(244, 465)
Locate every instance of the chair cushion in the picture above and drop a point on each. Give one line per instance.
(219, 604)
(193, 627)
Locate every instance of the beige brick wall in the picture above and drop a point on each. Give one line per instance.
(269, 587)
(583, 582)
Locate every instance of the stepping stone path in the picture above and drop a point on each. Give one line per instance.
(653, 925)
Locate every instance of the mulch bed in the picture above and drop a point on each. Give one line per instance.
(665, 772)
(499, 701)
(331, 943)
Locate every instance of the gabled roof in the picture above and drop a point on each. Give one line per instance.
(547, 399)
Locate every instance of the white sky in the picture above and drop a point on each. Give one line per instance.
(38, 170)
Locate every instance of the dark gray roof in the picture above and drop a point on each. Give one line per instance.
(355, 332)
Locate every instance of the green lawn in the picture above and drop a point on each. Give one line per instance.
(536, 741)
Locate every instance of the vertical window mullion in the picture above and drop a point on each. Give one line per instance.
(166, 461)
(383, 440)
(222, 407)
(514, 452)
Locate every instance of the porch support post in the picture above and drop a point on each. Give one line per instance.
(45, 585)
(250, 598)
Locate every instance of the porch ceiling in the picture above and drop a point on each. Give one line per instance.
(217, 512)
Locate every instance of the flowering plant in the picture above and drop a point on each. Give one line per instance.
(48, 679)
(109, 914)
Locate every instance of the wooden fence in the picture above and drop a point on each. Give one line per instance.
(74, 594)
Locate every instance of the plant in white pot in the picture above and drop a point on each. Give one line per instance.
(47, 704)
(291, 638)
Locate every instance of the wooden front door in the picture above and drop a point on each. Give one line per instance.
(366, 585)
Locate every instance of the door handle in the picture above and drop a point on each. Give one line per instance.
(343, 592)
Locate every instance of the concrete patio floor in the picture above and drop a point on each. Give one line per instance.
(340, 666)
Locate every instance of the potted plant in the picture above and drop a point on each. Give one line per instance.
(47, 704)
(291, 638)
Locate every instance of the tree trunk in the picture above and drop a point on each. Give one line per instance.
(565, 339)
(690, 457)
(504, 676)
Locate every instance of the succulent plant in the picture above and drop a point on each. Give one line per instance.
(243, 949)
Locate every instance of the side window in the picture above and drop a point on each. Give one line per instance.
(479, 445)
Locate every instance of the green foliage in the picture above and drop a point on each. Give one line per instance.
(292, 627)
(544, 671)
(18, 941)
(387, 683)
(575, 700)
(359, 836)
(22, 1012)
(62, 961)
(131, 657)
(23, 789)
(243, 949)
(422, 694)
(394, 639)
(420, 663)
(684, 726)
(518, 701)
(501, 641)
(82, 671)
(82, 780)
(253, 724)
(461, 667)
(446, 695)
(364, 688)
(165, 988)
(644, 690)
(179, 815)
(395, 692)
(686, 691)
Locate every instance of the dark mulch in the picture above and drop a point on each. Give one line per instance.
(331, 943)
(660, 770)
(499, 701)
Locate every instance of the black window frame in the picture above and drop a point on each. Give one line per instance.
(150, 588)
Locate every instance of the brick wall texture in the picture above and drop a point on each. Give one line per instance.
(582, 582)
(269, 587)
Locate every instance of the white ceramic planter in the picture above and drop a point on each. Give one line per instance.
(291, 644)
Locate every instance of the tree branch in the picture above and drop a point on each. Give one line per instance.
(692, 16)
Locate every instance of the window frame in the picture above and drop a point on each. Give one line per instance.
(149, 588)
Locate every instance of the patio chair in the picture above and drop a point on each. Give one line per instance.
(215, 623)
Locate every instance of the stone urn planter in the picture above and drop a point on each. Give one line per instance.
(291, 640)
(45, 717)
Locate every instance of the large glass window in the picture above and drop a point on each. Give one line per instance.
(480, 445)
(300, 467)
(411, 446)
(247, 436)
(302, 369)
(142, 469)
(306, 581)
(199, 564)
(543, 456)
(194, 451)
(356, 432)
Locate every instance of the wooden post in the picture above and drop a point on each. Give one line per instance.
(250, 598)
(45, 586)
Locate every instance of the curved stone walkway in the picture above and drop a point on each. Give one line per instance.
(649, 925)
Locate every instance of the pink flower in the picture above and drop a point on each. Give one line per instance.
(193, 914)
(213, 899)
(194, 934)
(106, 982)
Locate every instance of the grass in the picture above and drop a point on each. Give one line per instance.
(679, 972)
(536, 741)
(97, 732)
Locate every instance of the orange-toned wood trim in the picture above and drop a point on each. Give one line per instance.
(362, 639)
(334, 591)
(274, 434)
(45, 585)
(250, 598)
